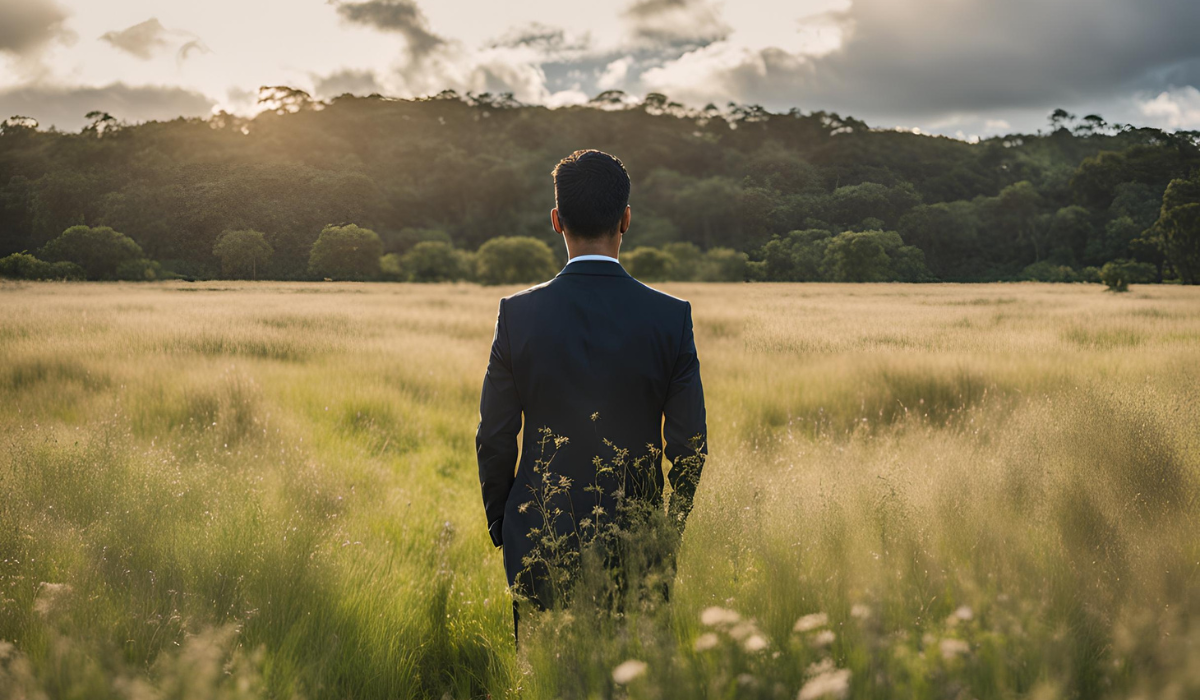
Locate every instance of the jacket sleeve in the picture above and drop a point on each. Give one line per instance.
(685, 429)
(496, 436)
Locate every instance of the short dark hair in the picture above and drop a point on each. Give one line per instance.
(591, 191)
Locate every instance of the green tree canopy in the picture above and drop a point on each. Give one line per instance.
(1177, 230)
(347, 252)
(99, 251)
(514, 260)
(243, 252)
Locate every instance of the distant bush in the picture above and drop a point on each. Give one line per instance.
(435, 261)
(243, 253)
(404, 240)
(23, 266)
(1119, 274)
(347, 252)
(1046, 271)
(723, 265)
(649, 264)
(99, 250)
(514, 260)
(142, 270)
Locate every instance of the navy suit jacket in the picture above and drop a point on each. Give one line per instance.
(592, 355)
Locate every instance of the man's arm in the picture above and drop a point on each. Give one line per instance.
(685, 429)
(496, 437)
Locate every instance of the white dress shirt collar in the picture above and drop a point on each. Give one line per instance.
(582, 258)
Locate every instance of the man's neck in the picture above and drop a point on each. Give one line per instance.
(610, 247)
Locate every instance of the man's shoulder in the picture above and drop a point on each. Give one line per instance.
(643, 293)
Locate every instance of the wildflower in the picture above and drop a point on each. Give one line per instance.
(742, 630)
(953, 648)
(706, 641)
(824, 638)
(48, 596)
(713, 616)
(859, 611)
(811, 622)
(964, 613)
(755, 643)
(627, 671)
(830, 684)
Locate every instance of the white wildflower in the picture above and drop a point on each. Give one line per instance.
(964, 613)
(824, 638)
(811, 622)
(755, 643)
(627, 671)
(706, 641)
(860, 611)
(49, 595)
(831, 684)
(742, 630)
(953, 648)
(714, 616)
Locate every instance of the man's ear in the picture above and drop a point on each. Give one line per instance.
(555, 222)
(625, 218)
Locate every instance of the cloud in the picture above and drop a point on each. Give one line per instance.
(348, 80)
(1174, 109)
(916, 59)
(401, 16)
(671, 23)
(27, 26)
(615, 73)
(65, 107)
(145, 39)
(141, 40)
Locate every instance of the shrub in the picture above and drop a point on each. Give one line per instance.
(1046, 271)
(1119, 274)
(24, 266)
(687, 260)
(651, 264)
(242, 253)
(434, 261)
(514, 260)
(724, 265)
(346, 252)
(99, 251)
(142, 270)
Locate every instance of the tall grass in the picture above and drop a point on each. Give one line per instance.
(269, 490)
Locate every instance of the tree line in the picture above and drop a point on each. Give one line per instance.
(456, 187)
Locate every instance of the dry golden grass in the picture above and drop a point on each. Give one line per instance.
(989, 490)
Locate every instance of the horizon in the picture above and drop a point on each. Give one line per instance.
(964, 71)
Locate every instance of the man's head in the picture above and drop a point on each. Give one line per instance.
(591, 191)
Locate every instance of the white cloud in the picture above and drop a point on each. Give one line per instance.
(1177, 108)
(615, 73)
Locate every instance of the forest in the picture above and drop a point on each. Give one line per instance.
(415, 189)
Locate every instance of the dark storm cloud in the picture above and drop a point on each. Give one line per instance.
(26, 26)
(401, 16)
(917, 55)
(355, 82)
(924, 59)
(671, 23)
(65, 107)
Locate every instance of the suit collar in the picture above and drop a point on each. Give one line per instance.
(594, 267)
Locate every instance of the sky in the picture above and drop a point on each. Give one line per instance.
(962, 68)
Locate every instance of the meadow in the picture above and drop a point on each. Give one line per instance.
(241, 490)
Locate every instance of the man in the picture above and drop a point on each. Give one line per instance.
(591, 355)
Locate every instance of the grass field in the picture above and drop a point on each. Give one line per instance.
(269, 490)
